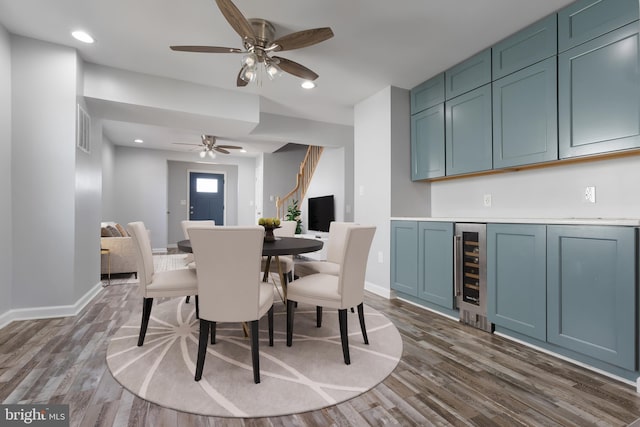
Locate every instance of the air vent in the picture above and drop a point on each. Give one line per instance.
(83, 130)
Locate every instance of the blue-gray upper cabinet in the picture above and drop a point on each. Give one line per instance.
(516, 278)
(470, 74)
(404, 257)
(427, 143)
(528, 46)
(591, 291)
(435, 263)
(525, 116)
(585, 20)
(427, 94)
(468, 132)
(598, 95)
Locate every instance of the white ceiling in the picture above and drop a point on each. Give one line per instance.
(377, 43)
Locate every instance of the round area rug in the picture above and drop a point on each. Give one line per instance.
(307, 376)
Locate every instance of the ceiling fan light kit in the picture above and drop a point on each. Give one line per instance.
(258, 40)
(209, 147)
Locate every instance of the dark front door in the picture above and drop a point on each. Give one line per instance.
(206, 196)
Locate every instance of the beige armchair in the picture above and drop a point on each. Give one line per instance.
(172, 283)
(229, 286)
(339, 292)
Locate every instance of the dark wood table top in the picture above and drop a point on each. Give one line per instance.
(282, 246)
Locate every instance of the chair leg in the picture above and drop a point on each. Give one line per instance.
(344, 337)
(202, 348)
(197, 308)
(147, 303)
(362, 326)
(318, 316)
(290, 307)
(213, 332)
(187, 300)
(270, 318)
(255, 351)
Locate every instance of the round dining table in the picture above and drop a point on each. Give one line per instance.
(273, 249)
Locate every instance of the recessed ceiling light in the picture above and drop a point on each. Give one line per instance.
(308, 84)
(243, 150)
(138, 141)
(82, 36)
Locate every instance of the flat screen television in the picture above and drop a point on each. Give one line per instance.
(320, 212)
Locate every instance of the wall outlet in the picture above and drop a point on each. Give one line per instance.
(487, 200)
(380, 257)
(590, 194)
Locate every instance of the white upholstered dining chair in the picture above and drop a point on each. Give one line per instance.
(229, 286)
(338, 292)
(186, 225)
(172, 283)
(287, 229)
(335, 245)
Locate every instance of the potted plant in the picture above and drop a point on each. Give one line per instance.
(293, 214)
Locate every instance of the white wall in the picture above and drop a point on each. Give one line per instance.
(43, 172)
(6, 256)
(329, 178)
(554, 192)
(108, 192)
(279, 173)
(372, 179)
(140, 186)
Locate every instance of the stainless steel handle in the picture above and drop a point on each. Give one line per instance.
(457, 247)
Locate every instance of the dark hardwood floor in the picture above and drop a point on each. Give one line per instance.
(450, 374)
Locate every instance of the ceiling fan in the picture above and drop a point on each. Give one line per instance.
(209, 146)
(258, 42)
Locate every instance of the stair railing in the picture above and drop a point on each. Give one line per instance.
(303, 180)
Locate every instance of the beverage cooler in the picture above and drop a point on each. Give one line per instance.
(470, 275)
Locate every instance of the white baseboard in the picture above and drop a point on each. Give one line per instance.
(49, 312)
(379, 290)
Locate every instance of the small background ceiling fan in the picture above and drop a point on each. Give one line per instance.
(209, 146)
(258, 41)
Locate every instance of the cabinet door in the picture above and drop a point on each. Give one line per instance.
(598, 95)
(528, 46)
(404, 257)
(591, 284)
(435, 263)
(470, 74)
(516, 278)
(427, 94)
(427, 143)
(468, 132)
(525, 124)
(585, 20)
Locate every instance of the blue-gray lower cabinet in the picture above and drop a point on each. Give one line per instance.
(404, 257)
(598, 101)
(592, 291)
(468, 135)
(427, 143)
(516, 278)
(525, 116)
(435, 263)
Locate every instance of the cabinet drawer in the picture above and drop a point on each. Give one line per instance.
(585, 20)
(533, 44)
(427, 94)
(468, 75)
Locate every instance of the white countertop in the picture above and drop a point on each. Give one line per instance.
(559, 221)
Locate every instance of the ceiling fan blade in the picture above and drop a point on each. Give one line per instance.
(186, 143)
(236, 19)
(229, 147)
(295, 68)
(220, 150)
(206, 49)
(302, 39)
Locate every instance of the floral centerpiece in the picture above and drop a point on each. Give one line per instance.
(269, 225)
